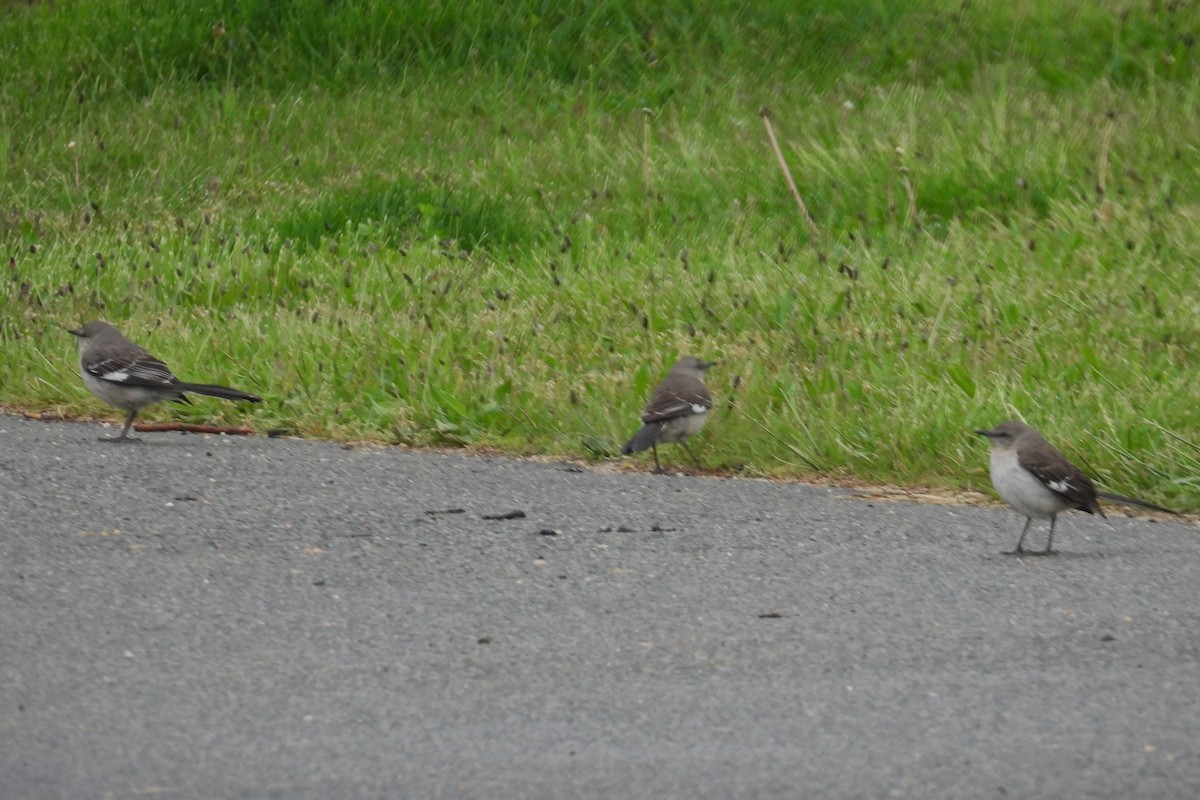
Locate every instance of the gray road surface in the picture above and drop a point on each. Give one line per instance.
(211, 617)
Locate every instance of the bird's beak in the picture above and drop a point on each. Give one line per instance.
(707, 364)
(73, 331)
(985, 433)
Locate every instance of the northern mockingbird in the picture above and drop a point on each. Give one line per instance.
(1038, 481)
(677, 409)
(124, 375)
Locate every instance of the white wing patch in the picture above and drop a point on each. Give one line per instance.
(1062, 487)
(116, 376)
(699, 409)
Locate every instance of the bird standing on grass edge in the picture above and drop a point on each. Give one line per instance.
(126, 376)
(678, 408)
(1037, 480)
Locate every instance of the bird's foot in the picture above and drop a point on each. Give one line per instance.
(1020, 551)
(119, 439)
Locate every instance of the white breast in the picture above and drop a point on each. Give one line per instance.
(679, 428)
(1021, 490)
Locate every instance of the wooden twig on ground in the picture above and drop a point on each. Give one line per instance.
(187, 427)
(192, 427)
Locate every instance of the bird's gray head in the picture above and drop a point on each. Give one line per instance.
(93, 328)
(1004, 434)
(691, 364)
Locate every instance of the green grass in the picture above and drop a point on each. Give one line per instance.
(438, 224)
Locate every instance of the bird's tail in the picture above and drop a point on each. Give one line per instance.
(1130, 501)
(646, 436)
(223, 392)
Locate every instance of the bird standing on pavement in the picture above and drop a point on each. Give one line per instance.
(1038, 481)
(677, 409)
(124, 375)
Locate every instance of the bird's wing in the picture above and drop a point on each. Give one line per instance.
(140, 369)
(671, 404)
(1061, 477)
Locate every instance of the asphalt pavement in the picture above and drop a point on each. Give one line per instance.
(202, 616)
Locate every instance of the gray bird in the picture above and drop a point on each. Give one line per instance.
(124, 375)
(1037, 480)
(677, 409)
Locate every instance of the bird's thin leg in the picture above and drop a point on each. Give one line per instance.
(128, 424)
(124, 437)
(1049, 551)
(691, 455)
(658, 470)
(1019, 549)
